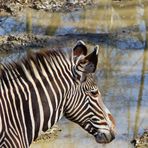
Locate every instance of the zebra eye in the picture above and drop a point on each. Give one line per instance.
(94, 93)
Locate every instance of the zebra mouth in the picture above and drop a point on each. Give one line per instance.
(104, 137)
(101, 135)
(101, 138)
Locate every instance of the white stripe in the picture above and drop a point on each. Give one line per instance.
(7, 97)
(10, 130)
(64, 68)
(14, 105)
(4, 120)
(83, 116)
(54, 93)
(45, 90)
(0, 118)
(23, 90)
(3, 135)
(8, 143)
(30, 104)
(21, 106)
(59, 90)
(29, 77)
(51, 87)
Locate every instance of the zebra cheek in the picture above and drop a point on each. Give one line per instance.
(112, 121)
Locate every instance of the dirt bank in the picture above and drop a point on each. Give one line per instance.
(125, 38)
(13, 7)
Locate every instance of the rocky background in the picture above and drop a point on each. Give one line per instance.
(14, 6)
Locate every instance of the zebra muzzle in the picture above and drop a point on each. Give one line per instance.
(104, 136)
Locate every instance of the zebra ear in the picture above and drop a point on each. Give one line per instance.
(80, 49)
(91, 61)
(86, 65)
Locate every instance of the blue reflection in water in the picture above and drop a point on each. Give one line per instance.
(11, 25)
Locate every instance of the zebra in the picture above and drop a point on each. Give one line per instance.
(41, 88)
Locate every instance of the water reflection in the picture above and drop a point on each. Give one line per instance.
(29, 22)
(140, 95)
(9, 57)
(107, 17)
(141, 21)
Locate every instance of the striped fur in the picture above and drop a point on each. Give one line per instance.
(38, 90)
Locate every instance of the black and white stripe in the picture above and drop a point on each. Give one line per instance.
(38, 90)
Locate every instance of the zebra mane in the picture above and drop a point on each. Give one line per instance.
(36, 57)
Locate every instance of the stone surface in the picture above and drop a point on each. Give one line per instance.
(14, 6)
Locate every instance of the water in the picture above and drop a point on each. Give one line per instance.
(106, 17)
(122, 73)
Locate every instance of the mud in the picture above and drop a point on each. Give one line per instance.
(123, 39)
(49, 135)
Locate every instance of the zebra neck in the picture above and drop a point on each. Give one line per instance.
(35, 92)
(49, 78)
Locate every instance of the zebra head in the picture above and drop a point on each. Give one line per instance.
(85, 106)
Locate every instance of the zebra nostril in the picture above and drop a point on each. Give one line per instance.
(101, 137)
